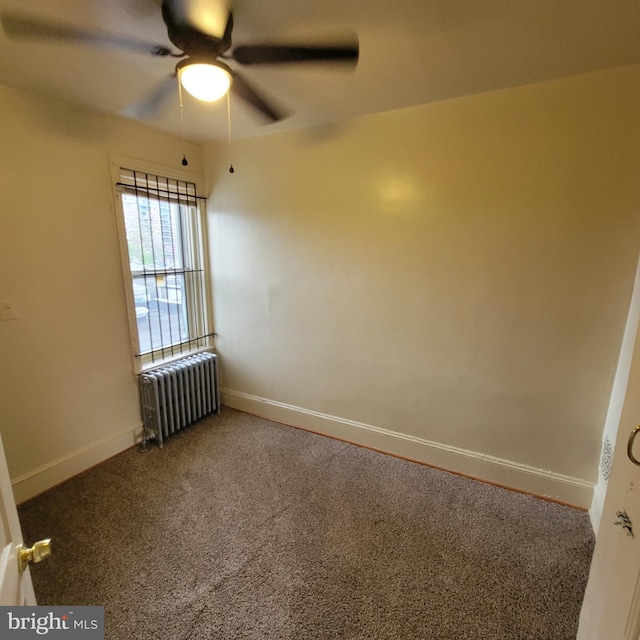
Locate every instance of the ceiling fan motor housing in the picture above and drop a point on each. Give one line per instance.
(189, 39)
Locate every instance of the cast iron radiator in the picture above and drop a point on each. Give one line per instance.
(176, 395)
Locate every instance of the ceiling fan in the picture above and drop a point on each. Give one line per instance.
(200, 51)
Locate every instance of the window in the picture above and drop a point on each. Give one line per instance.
(161, 221)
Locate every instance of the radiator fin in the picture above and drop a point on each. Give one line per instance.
(178, 394)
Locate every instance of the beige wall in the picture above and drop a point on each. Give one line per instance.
(67, 393)
(449, 282)
(456, 274)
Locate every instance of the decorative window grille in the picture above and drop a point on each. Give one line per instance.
(162, 221)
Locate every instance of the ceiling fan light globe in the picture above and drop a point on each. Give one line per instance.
(206, 82)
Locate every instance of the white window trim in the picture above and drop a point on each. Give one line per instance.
(117, 162)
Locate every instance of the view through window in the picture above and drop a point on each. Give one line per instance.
(164, 237)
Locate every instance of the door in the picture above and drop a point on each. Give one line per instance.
(15, 586)
(611, 607)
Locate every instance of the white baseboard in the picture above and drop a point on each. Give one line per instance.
(487, 468)
(53, 473)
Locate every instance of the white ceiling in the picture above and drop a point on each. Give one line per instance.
(411, 52)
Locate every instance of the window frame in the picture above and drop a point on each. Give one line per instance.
(150, 360)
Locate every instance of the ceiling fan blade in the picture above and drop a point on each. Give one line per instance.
(292, 54)
(226, 36)
(241, 87)
(151, 103)
(20, 26)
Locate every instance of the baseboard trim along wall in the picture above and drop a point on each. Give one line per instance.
(519, 477)
(507, 473)
(46, 477)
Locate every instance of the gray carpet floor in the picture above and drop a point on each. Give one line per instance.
(243, 528)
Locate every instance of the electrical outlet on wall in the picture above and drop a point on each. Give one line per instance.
(8, 310)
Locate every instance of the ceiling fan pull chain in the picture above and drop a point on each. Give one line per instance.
(185, 162)
(231, 169)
